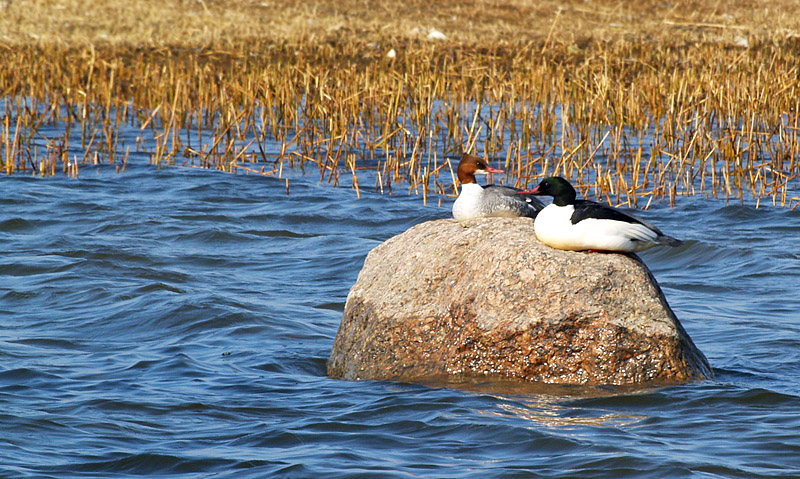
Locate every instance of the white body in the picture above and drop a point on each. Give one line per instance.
(476, 201)
(554, 228)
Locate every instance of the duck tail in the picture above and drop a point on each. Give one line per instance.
(668, 240)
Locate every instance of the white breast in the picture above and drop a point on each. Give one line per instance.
(553, 228)
(468, 203)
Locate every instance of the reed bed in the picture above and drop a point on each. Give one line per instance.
(628, 120)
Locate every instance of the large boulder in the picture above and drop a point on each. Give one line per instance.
(486, 297)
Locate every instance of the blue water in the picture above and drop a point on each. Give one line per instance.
(176, 323)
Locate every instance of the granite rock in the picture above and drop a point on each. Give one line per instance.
(484, 296)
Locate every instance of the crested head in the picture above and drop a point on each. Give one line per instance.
(562, 192)
(471, 165)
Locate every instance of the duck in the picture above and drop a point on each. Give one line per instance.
(476, 201)
(583, 225)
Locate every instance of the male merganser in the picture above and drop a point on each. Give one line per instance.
(476, 201)
(579, 225)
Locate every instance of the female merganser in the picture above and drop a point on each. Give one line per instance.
(579, 225)
(476, 201)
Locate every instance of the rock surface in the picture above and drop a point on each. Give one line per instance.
(485, 296)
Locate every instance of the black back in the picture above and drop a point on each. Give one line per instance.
(589, 209)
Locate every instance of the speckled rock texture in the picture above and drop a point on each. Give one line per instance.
(485, 296)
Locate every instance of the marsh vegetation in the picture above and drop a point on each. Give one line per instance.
(630, 102)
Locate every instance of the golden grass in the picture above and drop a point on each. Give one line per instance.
(632, 102)
(488, 22)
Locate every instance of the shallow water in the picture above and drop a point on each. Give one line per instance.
(176, 323)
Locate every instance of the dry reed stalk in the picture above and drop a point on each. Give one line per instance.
(668, 115)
